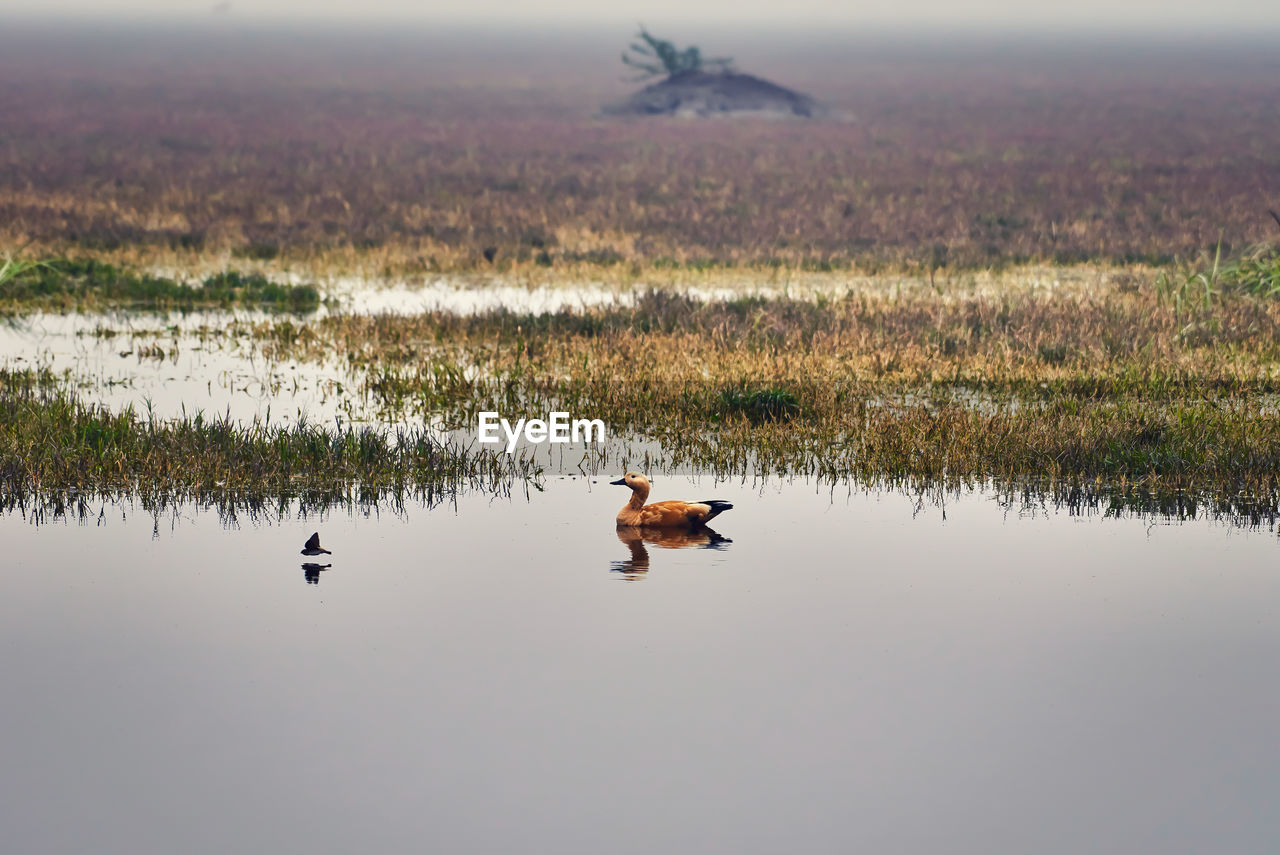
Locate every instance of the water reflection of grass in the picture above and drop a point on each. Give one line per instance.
(51, 443)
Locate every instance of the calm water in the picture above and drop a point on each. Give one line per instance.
(840, 674)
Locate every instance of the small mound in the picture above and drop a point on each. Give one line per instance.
(703, 94)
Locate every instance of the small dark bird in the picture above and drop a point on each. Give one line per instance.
(313, 546)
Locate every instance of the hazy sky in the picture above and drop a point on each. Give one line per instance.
(1214, 15)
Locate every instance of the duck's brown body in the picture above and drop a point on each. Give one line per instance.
(670, 514)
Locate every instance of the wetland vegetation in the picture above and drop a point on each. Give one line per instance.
(1107, 384)
(56, 449)
(1108, 387)
(977, 280)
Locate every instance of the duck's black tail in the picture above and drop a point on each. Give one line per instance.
(717, 507)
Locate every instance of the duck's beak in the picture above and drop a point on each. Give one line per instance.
(621, 482)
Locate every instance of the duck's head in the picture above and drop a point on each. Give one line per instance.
(634, 480)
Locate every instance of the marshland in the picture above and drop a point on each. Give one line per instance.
(986, 361)
(1158, 387)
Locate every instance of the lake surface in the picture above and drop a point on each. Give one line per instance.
(844, 672)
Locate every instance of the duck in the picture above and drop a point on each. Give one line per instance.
(313, 547)
(669, 514)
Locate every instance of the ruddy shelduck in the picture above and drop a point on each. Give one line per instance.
(671, 514)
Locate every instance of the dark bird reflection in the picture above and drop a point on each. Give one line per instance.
(311, 572)
(634, 568)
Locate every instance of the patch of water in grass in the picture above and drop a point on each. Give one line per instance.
(175, 363)
(477, 293)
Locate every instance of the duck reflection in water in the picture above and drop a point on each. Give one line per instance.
(311, 572)
(635, 537)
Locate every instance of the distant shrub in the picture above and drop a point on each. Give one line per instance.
(601, 257)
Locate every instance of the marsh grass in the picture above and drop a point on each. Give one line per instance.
(92, 284)
(1255, 271)
(13, 267)
(52, 444)
(1118, 389)
(1112, 344)
(759, 405)
(1114, 391)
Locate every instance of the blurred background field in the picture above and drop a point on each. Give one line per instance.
(451, 150)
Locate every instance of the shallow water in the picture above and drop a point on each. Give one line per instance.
(477, 293)
(844, 673)
(179, 363)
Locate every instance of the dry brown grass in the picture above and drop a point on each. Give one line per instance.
(1121, 339)
(1116, 388)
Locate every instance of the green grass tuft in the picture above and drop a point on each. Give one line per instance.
(758, 405)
